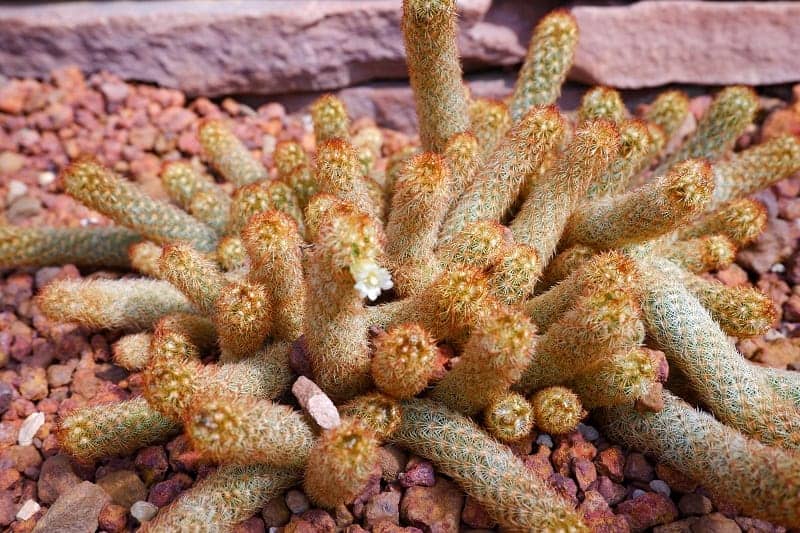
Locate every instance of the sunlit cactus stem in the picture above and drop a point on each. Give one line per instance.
(229, 155)
(97, 246)
(488, 471)
(101, 189)
(429, 33)
(549, 58)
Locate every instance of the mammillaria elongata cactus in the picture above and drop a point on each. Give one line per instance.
(539, 250)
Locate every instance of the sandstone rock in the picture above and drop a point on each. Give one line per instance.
(56, 477)
(112, 518)
(388, 527)
(715, 523)
(419, 473)
(584, 471)
(313, 521)
(637, 468)
(475, 515)
(647, 510)
(687, 42)
(20, 458)
(75, 511)
(612, 492)
(695, 504)
(383, 507)
(254, 524)
(124, 487)
(275, 513)
(679, 526)
(8, 509)
(151, 462)
(298, 47)
(436, 509)
(164, 492)
(296, 501)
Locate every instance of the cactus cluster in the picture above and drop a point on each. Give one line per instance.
(555, 255)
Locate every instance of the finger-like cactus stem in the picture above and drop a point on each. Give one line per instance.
(240, 429)
(654, 209)
(508, 417)
(668, 111)
(760, 480)
(637, 147)
(543, 215)
(57, 246)
(330, 119)
(223, 499)
(193, 274)
(243, 314)
(403, 360)
(90, 433)
(701, 254)
(731, 111)
(496, 186)
(602, 103)
(133, 304)
(513, 277)
(340, 464)
(379, 412)
(621, 379)
(273, 244)
(102, 190)
(489, 121)
(742, 221)
(549, 58)
(488, 471)
(497, 352)
(229, 155)
(429, 33)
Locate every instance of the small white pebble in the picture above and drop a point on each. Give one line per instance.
(777, 268)
(307, 122)
(636, 493)
(28, 509)
(143, 511)
(773, 334)
(660, 487)
(544, 440)
(46, 178)
(589, 433)
(16, 189)
(29, 428)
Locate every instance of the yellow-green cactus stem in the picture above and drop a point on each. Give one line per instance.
(338, 172)
(231, 253)
(755, 168)
(557, 410)
(489, 120)
(340, 464)
(637, 147)
(488, 471)
(330, 119)
(542, 217)
(463, 157)
(213, 209)
(731, 111)
(228, 155)
(602, 103)
(429, 34)
(701, 254)
(762, 481)
(668, 111)
(651, 210)
(499, 349)
(562, 265)
(243, 315)
(681, 327)
(480, 244)
(97, 246)
(497, 184)
(273, 244)
(182, 181)
(547, 62)
(240, 429)
(513, 277)
(132, 351)
(419, 203)
(302, 181)
(144, 257)
(194, 275)
(288, 155)
(742, 221)
(121, 428)
(343, 268)
(379, 412)
(403, 360)
(131, 304)
(621, 379)
(101, 189)
(223, 499)
(508, 417)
